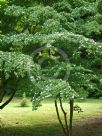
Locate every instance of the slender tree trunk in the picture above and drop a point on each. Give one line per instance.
(71, 116)
(65, 117)
(67, 128)
(59, 119)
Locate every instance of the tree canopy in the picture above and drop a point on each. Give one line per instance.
(73, 26)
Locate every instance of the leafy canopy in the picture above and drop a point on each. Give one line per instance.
(73, 26)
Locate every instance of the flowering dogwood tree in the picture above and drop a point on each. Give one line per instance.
(51, 49)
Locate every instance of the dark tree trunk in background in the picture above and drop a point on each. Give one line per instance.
(71, 115)
(2, 93)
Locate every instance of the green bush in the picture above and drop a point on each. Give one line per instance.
(24, 102)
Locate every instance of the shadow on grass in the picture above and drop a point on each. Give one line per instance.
(43, 130)
(87, 128)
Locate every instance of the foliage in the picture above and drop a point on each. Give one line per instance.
(51, 88)
(73, 26)
(62, 6)
(14, 67)
(100, 6)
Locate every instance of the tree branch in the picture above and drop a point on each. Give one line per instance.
(65, 116)
(9, 100)
(58, 116)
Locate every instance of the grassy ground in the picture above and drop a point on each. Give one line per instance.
(17, 121)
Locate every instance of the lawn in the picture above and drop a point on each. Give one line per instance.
(17, 121)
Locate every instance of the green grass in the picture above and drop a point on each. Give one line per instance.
(42, 122)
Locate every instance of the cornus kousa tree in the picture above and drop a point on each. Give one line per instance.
(51, 49)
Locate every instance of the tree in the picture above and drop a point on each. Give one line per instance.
(51, 34)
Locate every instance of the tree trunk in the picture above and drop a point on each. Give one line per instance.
(9, 100)
(67, 128)
(71, 116)
(59, 119)
(2, 93)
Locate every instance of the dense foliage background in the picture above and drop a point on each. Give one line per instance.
(74, 26)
